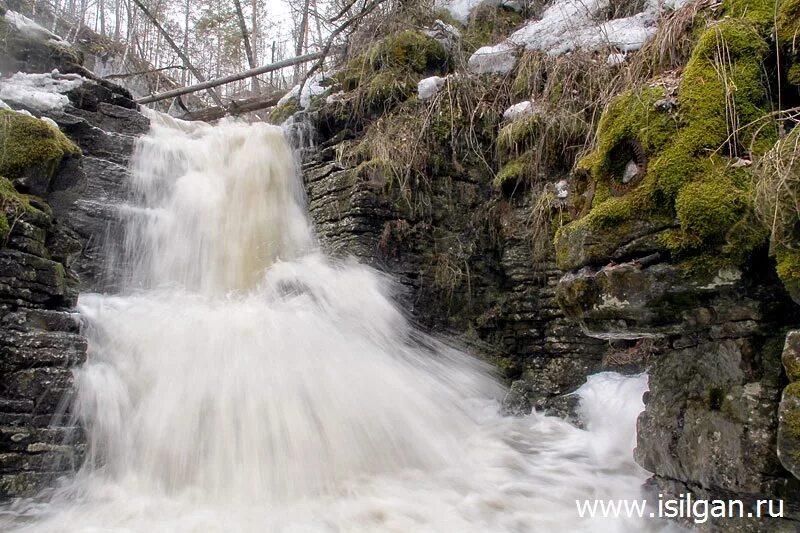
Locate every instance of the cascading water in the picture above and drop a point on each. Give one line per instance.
(242, 382)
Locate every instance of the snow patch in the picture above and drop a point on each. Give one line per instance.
(30, 28)
(462, 9)
(50, 121)
(445, 34)
(498, 59)
(568, 25)
(615, 59)
(518, 111)
(311, 88)
(428, 87)
(562, 189)
(40, 92)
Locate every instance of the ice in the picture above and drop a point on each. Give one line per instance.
(40, 92)
(428, 87)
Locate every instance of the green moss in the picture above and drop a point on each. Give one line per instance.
(284, 111)
(722, 91)
(707, 209)
(632, 115)
(30, 143)
(489, 24)
(408, 50)
(757, 12)
(788, 267)
(722, 111)
(12, 204)
(387, 73)
(514, 172)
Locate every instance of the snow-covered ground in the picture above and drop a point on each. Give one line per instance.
(39, 92)
(29, 27)
(568, 25)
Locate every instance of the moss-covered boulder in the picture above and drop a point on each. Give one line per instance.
(31, 151)
(387, 72)
(656, 162)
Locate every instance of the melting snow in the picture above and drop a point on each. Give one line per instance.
(40, 92)
(497, 59)
(568, 25)
(311, 88)
(518, 111)
(428, 87)
(29, 27)
(462, 9)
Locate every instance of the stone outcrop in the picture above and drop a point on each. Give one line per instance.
(60, 216)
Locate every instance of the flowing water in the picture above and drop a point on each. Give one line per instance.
(242, 382)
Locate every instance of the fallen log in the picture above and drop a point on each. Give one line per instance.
(230, 78)
(234, 108)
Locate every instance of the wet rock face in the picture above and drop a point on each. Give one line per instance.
(711, 418)
(457, 274)
(789, 410)
(55, 249)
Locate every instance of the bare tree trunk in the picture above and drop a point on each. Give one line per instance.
(302, 32)
(213, 94)
(186, 9)
(248, 50)
(117, 19)
(101, 7)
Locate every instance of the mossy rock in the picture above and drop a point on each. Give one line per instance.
(788, 267)
(408, 50)
(12, 205)
(31, 150)
(282, 112)
(789, 429)
(387, 73)
(723, 111)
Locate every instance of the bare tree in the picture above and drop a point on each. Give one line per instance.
(211, 92)
(248, 50)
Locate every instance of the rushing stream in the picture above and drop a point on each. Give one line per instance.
(242, 382)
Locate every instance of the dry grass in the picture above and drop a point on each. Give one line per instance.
(777, 197)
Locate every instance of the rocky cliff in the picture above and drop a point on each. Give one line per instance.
(66, 139)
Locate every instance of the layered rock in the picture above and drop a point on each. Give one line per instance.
(59, 194)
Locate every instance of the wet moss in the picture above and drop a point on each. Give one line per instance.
(12, 204)
(513, 173)
(489, 24)
(284, 111)
(788, 268)
(30, 143)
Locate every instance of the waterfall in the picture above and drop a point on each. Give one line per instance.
(240, 381)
